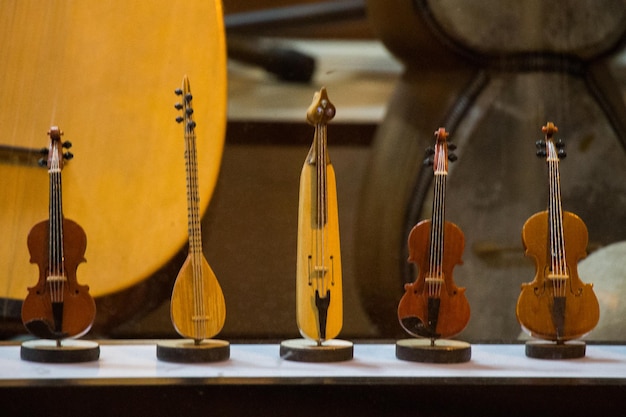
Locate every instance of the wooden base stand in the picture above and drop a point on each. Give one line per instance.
(68, 351)
(304, 350)
(544, 349)
(188, 351)
(442, 351)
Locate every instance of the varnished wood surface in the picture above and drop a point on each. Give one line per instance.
(104, 71)
(319, 276)
(306, 312)
(187, 301)
(534, 305)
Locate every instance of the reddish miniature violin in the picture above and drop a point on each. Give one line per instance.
(556, 305)
(57, 307)
(433, 306)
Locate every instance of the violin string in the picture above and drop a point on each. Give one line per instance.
(55, 239)
(553, 220)
(437, 225)
(321, 203)
(556, 222)
(561, 237)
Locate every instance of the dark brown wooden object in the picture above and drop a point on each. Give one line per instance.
(57, 307)
(433, 306)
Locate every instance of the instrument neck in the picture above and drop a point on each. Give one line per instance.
(55, 235)
(438, 223)
(555, 214)
(321, 160)
(193, 198)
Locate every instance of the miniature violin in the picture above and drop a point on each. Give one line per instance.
(433, 306)
(319, 298)
(57, 307)
(197, 309)
(556, 305)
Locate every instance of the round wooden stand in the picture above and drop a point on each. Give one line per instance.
(304, 350)
(442, 351)
(187, 351)
(69, 351)
(542, 349)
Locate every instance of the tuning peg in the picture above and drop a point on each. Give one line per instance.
(561, 153)
(540, 143)
(188, 97)
(541, 153)
(178, 106)
(452, 157)
(67, 144)
(44, 151)
(451, 146)
(42, 162)
(559, 144)
(68, 155)
(428, 156)
(179, 119)
(191, 124)
(189, 111)
(178, 92)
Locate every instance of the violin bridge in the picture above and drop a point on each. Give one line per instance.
(433, 280)
(56, 278)
(558, 277)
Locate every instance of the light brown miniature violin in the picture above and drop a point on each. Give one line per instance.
(433, 306)
(57, 307)
(556, 305)
(198, 308)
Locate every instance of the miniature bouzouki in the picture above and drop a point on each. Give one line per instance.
(198, 309)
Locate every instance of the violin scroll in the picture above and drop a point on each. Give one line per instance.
(432, 153)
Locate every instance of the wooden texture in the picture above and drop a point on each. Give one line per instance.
(319, 294)
(187, 301)
(454, 310)
(104, 71)
(198, 308)
(534, 306)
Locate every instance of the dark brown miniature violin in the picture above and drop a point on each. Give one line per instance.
(556, 305)
(57, 307)
(433, 306)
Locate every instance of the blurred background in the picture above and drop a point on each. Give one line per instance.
(491, 73)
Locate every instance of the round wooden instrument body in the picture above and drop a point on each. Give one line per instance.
(198, 308)
(535, 303)
(454, 310)
(79, 308)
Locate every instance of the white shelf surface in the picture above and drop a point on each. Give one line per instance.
(136, 363)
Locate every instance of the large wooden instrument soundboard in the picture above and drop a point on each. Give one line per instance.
(104, 71)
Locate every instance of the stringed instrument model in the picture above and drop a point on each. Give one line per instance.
(319, 297)
(57, 307)
(198, 309)
(433, 306)
(556, 305)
